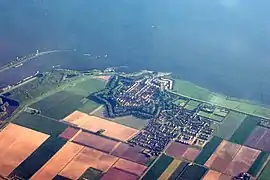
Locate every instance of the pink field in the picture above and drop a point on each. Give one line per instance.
(259, 139)
(129, 166)
(117, 174)
(68, 133)
(242, 161)
(96, 142)
(94, 124)
(176, 149)
(130, 153)
(191, 154)
(223, 156)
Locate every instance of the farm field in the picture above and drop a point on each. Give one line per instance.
(194, 172)
(39, 157)
(158, 168)
(88, 106)
(178, 171)
(242, 161)
(179, 151)
(170, 169)
(223, 156)
(69, 133)
(40, 123)
(86, 87)
(94, 141)
(91, 174)
(131, 153)
(258, 164)
(230, 158)
(115, 173)
(129, 166)
(16, 147)
(62, 103)
(86, 158)
(58, 161)
(211, 116)
(244, 130)
(94, 124)
(259, 138)
(129, 121)
(208, 149)
(214, 175)
(190, 105)
(191, 90)
(265, 173)
(232, 121)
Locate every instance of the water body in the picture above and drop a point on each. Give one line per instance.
(222, 45)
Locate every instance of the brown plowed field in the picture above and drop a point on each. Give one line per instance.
(17, 143)
(212, 175)
(58, 161)
(69, 133)
(191, 154)
(242, 161)
(129, 166)
(130, 153)
(94, 124)
(85, 159)
(176, 149)
(225, 177)
(223, 156)
(117, 174)
(96, 142)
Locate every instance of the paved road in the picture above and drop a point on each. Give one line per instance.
(7, 67)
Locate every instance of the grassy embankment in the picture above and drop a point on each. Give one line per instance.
(198, 93)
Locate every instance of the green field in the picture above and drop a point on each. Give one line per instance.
(232, 121)
(244, 130)
(157, 169)
(208, 150)
(88, 106)
(130, 121)
(211, 116)
(191, 90)
(86, 87)
(258, 164)
(190, 105)
(59, 105)
(41, 124)
(62, 103)
(265, 175)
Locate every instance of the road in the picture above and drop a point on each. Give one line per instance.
(16, 63)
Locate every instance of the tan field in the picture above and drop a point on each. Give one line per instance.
(170, 169)
(85, 159)
(212, 175)
(129, 166)
(16, 144)
(94, 124)
(58, 161)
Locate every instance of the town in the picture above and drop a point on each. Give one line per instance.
(150, 97)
